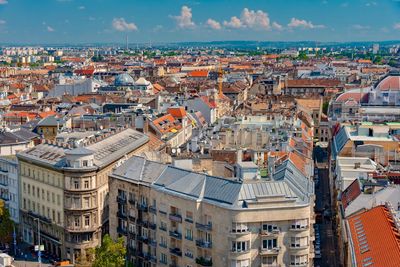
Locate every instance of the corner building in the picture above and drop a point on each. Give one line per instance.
(64, 186)
(174, 217)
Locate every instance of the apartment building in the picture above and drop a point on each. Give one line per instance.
(175, 217)
(64, 187)
(9, 186)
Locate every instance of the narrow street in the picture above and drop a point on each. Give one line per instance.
(329, 255)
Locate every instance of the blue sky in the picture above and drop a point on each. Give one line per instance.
(89, 21)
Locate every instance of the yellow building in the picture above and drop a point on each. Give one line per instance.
(64, 187)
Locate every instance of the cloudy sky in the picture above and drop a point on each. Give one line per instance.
(144, 21)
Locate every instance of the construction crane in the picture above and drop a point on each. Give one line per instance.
(220, 78)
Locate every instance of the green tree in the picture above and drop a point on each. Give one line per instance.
(378, 60)
(325, 107)
(6, 224)
(110, 253)
(302, 56)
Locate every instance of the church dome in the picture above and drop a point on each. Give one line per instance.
(124, 79)
(391, 82)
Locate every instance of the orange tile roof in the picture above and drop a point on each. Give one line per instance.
(166, 123)
(376, 227)
(45, 114)
(198, 73)
(177, 112)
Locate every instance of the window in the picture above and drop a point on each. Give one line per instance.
(189, 215)
(58, 217)
(163, 258)
(25, 188)
(86, 202)
(240, 246)
(239, 227)
(163, 226)
(87, 220)
(270, 261)
(163, 241)
(298, 241)
(300, 224)
(33, 190)
(86, 184)
(189, 253)
(85, 163)
(48, 196)
(53, 198)
(270, 228)
(189, 234)
(43, 194)
(76, 221)
(269, 244)
(58, 199)
(298, 259)
(29, 188)
(38, 192)
(76, 184)
(240, 263)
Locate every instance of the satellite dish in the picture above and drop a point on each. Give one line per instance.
(178, 150)
(173, 151)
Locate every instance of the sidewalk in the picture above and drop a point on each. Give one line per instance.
(29, 264)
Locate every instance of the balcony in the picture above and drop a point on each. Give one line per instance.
(203, 261)
(122, 231)
(274, 232)
(131, 217)
(298, 246)
(152, 226)
(176, 251)
(132, 201)
(272, 251)
(153, 259)
(203, 244)
(121, 215)
(143, 239)
(83, 229)
(153, 209)
(142, 207)
(189, 220)
(142, 223)
(175, 217)
(163, 245)
(204, 227)
(175, 235)
(189, 255)
(163, 228)
(152, 242)
(121, 199)
(298, 228)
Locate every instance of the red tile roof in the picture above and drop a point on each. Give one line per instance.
(166, 123)
(210, 104)
(198, 73)
(382, 239)
(177, 112)
(351, 193)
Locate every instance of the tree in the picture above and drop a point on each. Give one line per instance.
(110, 253)
(325, 107)
(6, 224)
(302, 56)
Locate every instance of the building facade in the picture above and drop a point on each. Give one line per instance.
(170, 216)
(64, 187)
(9, 186)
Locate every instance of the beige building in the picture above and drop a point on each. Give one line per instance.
(64, 186)
(175, 217)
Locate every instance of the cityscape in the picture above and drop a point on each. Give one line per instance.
(199, 133)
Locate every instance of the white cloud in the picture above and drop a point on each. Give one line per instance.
(184, 20)
(371, 4)
(250, 19)
(121, 25)
(81, 7)
(2, 22)
(50, 29)
(360, 27)
(396, 26)
(301, 23)
(213, 24)
(233, 23)
(3, 2)
(277, 26)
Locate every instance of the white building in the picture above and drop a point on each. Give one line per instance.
(9, 186)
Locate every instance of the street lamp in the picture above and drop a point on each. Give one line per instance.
(39, 251)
